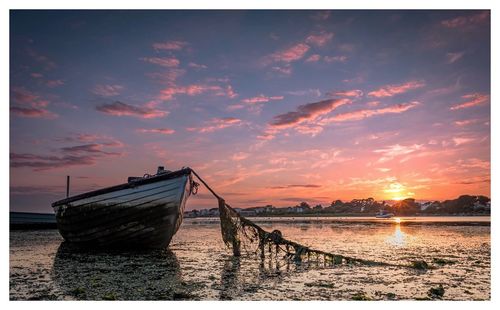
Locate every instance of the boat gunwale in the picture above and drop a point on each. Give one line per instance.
(153, 179)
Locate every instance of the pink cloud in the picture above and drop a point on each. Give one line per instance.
(461, 140)
(240, 156)
(307, 112)
(194, 89)
(466, 122)
(261, 98)
(217, 124)
(362, 114)
(465, 21)
(31, 104)
(163, 131)
(162, 61)
(107, 90)
(346, 93)
(474, 99)
(36, 75)
(309, 130)
(230, 93)
(44, 60)
(170, 45)
(32, 112)
(313, 58)
(290, 54)
(118, 108)
(395, 89)
(319, 39)
(168, 77)
(331, 59)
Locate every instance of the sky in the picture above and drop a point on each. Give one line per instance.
(269, 107)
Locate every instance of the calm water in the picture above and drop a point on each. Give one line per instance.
(198, 266)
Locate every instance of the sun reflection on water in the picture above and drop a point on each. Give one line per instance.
(398, 238)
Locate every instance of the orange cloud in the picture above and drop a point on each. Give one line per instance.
(395, 89)
(392, 151)
(118, 108)
(474, 100)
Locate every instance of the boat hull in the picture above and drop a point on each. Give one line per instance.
(145, 213)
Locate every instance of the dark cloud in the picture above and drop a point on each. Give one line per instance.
(306, 112)
(118, 108)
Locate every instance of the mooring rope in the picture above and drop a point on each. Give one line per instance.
(233, 225)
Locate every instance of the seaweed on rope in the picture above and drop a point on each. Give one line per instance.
(240, 233)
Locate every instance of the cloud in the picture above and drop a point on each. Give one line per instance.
(395, 89)
(196, 89)
(42, 59)
(307, 112)
(29, 104)
(217, 124)
(284, 70)
(319, 39)
(118, 108)
(291, 54)
(466, 122)
(474, 99)
(36, 75)
(461, 140)
(392, 151)
(79, 155)
(346, 93)
(466, 21)
(261, 98)
(321, 15)
(168, 77)
(32, 112)
(362, 114)
(309, 129)
(453, 57)
(240, 156)
(314, 58)
(107, 90)
(331, 59)
(163, 131)
(296, 186)
(170, 45)
(197, 66)
(167, 62)
(54, 83)
(315, 92)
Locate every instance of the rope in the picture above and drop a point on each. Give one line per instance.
(230, 229)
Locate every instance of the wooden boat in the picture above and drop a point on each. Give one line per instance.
(144, 212)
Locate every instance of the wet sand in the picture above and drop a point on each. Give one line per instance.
(197, 266)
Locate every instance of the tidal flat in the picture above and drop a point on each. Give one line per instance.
(448, 260)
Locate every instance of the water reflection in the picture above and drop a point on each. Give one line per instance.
(95, 275)
(398, 237)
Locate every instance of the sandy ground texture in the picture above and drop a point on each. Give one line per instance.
(197, 266)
